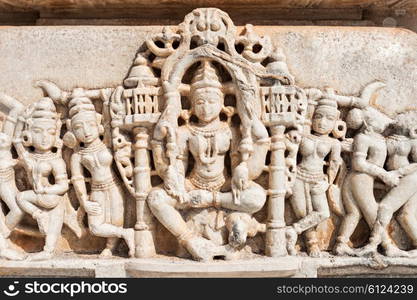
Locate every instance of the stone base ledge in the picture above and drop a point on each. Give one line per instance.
(171, 267)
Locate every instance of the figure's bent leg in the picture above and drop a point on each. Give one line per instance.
(117, 219)
(8, 193)
(4, 229)
(163, 208)
(362, 190)
(240, 226)
(389, 204)
(349, 222)
(252, 199)
(298, 202)
(320, 212)
(56, 219)
(98, 226)
(28, 202)
(363, 193)
(408, 219)
(298, 199)
(7, 253)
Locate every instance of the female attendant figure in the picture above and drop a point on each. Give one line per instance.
(104, 205)
(309, 199)
(39, 146)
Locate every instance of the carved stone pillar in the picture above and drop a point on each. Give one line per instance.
(145, 246)
(275, 234)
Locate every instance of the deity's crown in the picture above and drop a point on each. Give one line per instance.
(80, 103)
(44, 109)
(324, 102)
(205, 77)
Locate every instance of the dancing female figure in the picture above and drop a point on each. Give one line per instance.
(39, 146)
(104, 205)
(309, 199)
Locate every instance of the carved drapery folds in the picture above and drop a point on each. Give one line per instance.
(208, 140)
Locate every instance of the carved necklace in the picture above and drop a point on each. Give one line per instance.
(374, 135)
(94, 147)
(44, 156)
(6, 174)
(207, 143)
(206, 132)
(397, 137)
(208, 184)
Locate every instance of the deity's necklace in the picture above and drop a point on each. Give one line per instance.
(209, 154)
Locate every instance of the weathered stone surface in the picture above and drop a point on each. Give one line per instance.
(345, 59)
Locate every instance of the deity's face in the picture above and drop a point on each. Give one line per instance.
(207, 104)
(324, 120)
(85, 128)
(43, 134)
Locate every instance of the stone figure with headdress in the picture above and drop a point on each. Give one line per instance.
(39, 146)
(105, 204)
(208, 139)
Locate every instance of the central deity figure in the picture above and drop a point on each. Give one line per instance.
(209, 139)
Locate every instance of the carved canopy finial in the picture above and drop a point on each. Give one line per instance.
(208, 26)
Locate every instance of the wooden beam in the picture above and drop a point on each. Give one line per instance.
(261, 15)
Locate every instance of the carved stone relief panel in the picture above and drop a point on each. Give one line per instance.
(211, 147)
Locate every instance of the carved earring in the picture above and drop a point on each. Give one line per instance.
(100, 126)
(229, 111)
(26, 138)
(70, 140)
(186, 115)
(339, 130)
